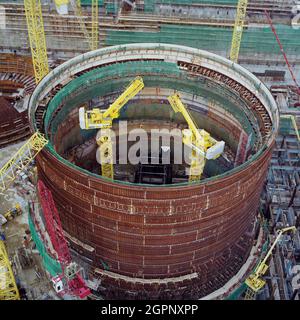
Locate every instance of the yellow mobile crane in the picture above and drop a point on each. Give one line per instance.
(202, 144)
(102, 119)
(238, 30)
(255, 281)
(8, 286)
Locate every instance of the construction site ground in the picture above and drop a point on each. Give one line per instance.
(26, 262)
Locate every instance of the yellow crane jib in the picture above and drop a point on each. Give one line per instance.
(37, 39)
(238, 30)
(95, 25)
(21, 159)
(93, 37)
(200, 141)
(100, 119)
(76, 5)
(254, 281)
(8, 286)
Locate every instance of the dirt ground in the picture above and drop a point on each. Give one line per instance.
(27, 264)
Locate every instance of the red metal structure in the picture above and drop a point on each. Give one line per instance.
(70, 274)
(282, 50)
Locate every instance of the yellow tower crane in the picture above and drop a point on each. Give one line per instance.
(21, 159)
(95, 24)
(200, 141)
(37, 39)
(255, 282)
(238, 30)
(78, 13)
(93, 38)
(102, 119)
(8, 286)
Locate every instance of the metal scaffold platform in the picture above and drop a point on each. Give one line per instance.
(281, 203)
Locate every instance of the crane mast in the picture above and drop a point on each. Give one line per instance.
(37, 39)
(8, 286)
(76, 5)
(92, 38)
(200, 141)
(238, 30)
(95, 23)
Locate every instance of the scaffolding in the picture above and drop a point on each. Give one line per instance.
(149, 5)
(282, 206)
(255, 40)
(50, 264)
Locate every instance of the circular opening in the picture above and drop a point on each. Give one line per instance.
(228, 110)
(147, 142)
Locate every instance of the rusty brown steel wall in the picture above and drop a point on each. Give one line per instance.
(161, 242)
(14, 126)
(15, 72)
(157, 232)
(16, 63)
